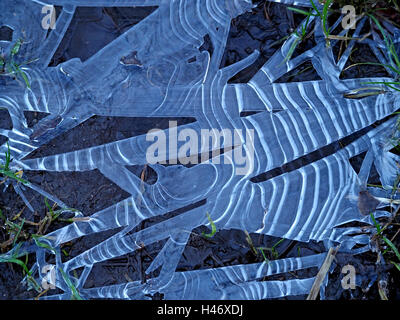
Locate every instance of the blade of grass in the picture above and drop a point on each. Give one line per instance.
(396, 265)
(302, 11)
(325, 17)
(392, 246)
(19, 232)
(376, 224)
(263, 254)
(213, 228)
(68, 281)
(16, 47)
(36, 238)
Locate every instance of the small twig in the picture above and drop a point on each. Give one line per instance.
(6, 243)
(395, 235)
(18, 214)
(127, 277)
(335, 37)
(42, 293)
(322, 273)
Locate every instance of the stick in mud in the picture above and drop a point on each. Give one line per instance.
(322, 273)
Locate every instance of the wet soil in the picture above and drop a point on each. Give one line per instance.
(91, 30)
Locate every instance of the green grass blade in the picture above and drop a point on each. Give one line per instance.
(377, 226)
(277, 244)
(392, 246)
(325, 16)
(68, 281)
(24, 76)
(263, 254)
(396, 265)
(213, 228)
(315, 8)
(19, 231)
(48, 205)
(292, 48)
(8, 157)
(12, 175)
(16, 47)
(16, 261)
(36, 238)
(387, 39)
(309, 13)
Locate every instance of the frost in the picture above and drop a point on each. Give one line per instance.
(297, 120)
